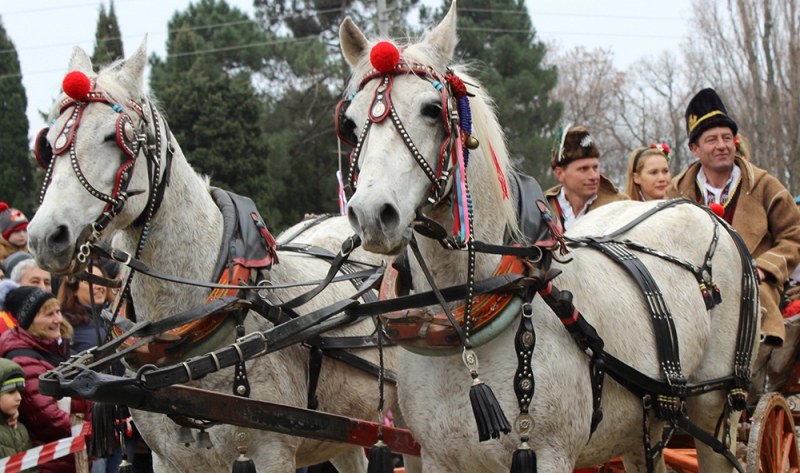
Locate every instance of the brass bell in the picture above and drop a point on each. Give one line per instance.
(185, 435)
(471, 142)
(203, 440)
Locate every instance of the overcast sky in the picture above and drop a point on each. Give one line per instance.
(44, 32)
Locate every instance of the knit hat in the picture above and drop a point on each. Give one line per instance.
(12, 378)
(706, 111)
(573, 143)
(24, 303)
(13, 259)
(11, 220)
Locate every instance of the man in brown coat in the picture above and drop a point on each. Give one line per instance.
(581, 188)
(755, 203)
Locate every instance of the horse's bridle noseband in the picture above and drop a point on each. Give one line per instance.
(132, 138)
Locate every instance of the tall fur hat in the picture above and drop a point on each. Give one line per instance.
(11, 220)
(705, 111)
(572, 143)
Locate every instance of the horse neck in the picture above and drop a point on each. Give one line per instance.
(184, 239)
(449, 267)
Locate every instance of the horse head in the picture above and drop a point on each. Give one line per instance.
(99, 128)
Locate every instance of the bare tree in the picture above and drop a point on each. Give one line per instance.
(750, 52)
(589, 86)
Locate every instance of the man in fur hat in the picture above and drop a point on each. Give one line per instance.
(755, 203)
(581, 188)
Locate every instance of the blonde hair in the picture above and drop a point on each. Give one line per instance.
(635, 165)
(742, 147)
(47, 306)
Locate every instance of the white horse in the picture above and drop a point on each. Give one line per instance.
(392, 186)
(186, 232)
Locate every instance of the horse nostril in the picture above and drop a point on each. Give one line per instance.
(60, 236)
(352, 217)
(389, 216)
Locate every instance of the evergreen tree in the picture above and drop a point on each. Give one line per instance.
(16, 173)
(499, 37)
(306, 75)
(107, 38)
(205, 87)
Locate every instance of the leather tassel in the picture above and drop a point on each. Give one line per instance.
(524, 460)
(380, 459)
(244, 465)
(488, 414)
(103, 438)
(126, 467)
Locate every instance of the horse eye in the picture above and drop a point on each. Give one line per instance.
(347, 131)
(110, 137)
(432, 110)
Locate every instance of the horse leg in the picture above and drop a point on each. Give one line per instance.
(352, 460)
(705, 411)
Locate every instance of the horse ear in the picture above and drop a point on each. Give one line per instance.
(134, 65)
(443, 38)
(352, 41)
(80, 61)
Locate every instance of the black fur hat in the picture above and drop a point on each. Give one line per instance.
(573, 142)
(705, 111)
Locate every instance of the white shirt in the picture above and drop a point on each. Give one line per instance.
(706, 188)
(567, 213)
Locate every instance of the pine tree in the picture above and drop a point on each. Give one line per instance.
(499, 37)
(107, 38)
(16, 173)
(205, 87)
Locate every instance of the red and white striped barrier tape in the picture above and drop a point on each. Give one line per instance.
(47, 452)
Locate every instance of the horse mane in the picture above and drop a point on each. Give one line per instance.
(486, 128)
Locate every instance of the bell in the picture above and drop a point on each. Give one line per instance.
(203, 440)
(185, 436)
(472, 142)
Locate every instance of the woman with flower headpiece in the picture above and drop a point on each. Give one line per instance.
(648, 172)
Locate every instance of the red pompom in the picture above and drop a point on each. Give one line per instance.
(3, 206)
(717, 209)
(384, 56)
(76, 85)
(456, 85)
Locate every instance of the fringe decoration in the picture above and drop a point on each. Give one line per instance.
(460, 206)
(488, 414)
(243, 465)
(380, 458)
(500, 175)
(103, 438)
(524, 459)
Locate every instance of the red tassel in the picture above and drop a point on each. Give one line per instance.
(500, 176)
(384, 56)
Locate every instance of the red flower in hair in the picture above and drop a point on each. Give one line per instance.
(384, 56)
(76, 85)
(663, 147)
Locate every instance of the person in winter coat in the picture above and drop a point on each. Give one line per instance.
(36, 344)
(14, 436)
(13, 229)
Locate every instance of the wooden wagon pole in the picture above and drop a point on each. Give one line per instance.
(243, 412)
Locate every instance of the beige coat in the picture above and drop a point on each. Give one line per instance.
(769, 222)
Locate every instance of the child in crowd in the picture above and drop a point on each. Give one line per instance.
(14, 436)
(14, 229)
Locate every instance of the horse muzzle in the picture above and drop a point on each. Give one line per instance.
(379, 227)
(54, 247)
